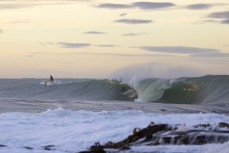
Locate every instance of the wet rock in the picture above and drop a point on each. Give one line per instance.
(49, 147)
(223, 125)
(30, 148)
(163, 134)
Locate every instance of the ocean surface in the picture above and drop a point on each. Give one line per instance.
(73, 114)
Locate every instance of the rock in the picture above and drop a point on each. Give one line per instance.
(30, 148)
(49, 147)
(223, 125)
(161, 134)
(2, 145)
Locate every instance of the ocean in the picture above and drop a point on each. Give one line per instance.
(74, 114)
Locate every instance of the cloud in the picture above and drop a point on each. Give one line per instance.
(221, 15)
(20, 21)
(219, 54)
(1, 31)
(134, 21)
(192, 51)
(225, 21)
(209, 21)
(178, 49)
(224, 16)
(152, 5)
(47, 43)
(114, 6)
(123, 14)
(95, 32)
(140, 5)
(109, 45)
(15, 6)
(133, 34)
(19, 4)
(199, 6)
(73, 45)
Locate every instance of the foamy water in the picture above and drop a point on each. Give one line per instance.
(73, 131)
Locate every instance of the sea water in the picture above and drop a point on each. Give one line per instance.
(77, 113)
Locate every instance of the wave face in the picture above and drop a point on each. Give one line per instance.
(199, 90)
(75, 89)
(211, 89)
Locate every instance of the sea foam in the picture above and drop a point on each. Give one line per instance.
(72, 131)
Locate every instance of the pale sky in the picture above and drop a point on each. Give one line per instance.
(99, 38)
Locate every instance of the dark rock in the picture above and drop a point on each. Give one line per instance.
(30, 148)
(49, 147)
(202, 125)
(97, 148)
(161, 134)
(223, 125)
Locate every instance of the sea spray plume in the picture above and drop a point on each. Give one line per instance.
(163, 83)
(135, 73)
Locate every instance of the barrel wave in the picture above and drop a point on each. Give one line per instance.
(199, 90)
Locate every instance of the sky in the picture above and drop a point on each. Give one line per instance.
(101, 38)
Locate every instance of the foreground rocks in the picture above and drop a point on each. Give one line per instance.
(163, 134)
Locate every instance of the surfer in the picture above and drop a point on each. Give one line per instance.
(51, 78)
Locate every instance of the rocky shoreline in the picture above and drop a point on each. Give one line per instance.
(164, 134)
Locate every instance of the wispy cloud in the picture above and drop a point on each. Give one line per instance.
(134, 21)
(15, 6)
(152, 5)
(1, 31)
(219, 54)
(225, 21)
(95, 32)
(123, 14)
(73, 45)
(106, 45)
(19, 4)
(223, 16)
(114, 6)
(133, 34)
(20, 21)
(139, 5)
(47, 43)
(178, 49)
(199, 6)
(192, 51)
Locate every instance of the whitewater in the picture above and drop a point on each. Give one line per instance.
(73, 115)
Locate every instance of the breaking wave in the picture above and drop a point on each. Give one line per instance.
(198, 90)
(211, 89)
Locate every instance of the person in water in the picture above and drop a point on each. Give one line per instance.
(51, 78)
